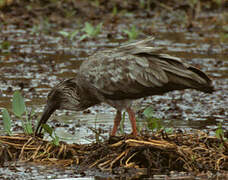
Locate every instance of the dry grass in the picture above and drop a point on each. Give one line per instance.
(149, 155)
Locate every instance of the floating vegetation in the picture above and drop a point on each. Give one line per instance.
(144, 155)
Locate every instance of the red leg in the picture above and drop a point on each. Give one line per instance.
(133, 121)
(116, 122)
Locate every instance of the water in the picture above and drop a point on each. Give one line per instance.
(34, 63)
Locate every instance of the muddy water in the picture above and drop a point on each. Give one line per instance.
(35, 62)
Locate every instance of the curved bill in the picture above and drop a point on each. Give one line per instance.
(48, 110)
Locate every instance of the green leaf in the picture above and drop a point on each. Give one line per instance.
(88, 28)
(5, 45)
(219, 131)
(32, 113)
(73, 34)
(92, 31)
(169, 130)
(114, 11)
(132, 33)
(6, 121)
(56, 140)
(64, 33)
(152, 124)
(122, 123)
(18, 104)
(47, 129)
(28, 128)
(148, 112)
(83, 37)
(27, 125)
(98, 29)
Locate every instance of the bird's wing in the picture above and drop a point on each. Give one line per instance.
(122, 75)
(119, 74)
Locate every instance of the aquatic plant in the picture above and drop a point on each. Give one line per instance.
(122, 123)
(20, 110)
(145, 4)
(219, 133)
(45, 26)
(153, 123)
(6, 121)
(5, 45)
(224, 33)
(96, 3)
(114, 11)
(52, 134)
(132, 33)
(218, 2)
(69, 35)
(91, 31)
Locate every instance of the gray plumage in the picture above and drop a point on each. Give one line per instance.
(118, 76)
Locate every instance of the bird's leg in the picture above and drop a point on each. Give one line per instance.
(133, 121)
(116, 122)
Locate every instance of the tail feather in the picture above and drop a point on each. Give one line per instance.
(184, 75)
(206, 87)
(194, 79)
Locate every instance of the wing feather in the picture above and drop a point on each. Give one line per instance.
(125, 74)
(136, 70)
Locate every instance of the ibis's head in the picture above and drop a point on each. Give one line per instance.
(63, 96)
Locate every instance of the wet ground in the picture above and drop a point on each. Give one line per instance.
(33, 58)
